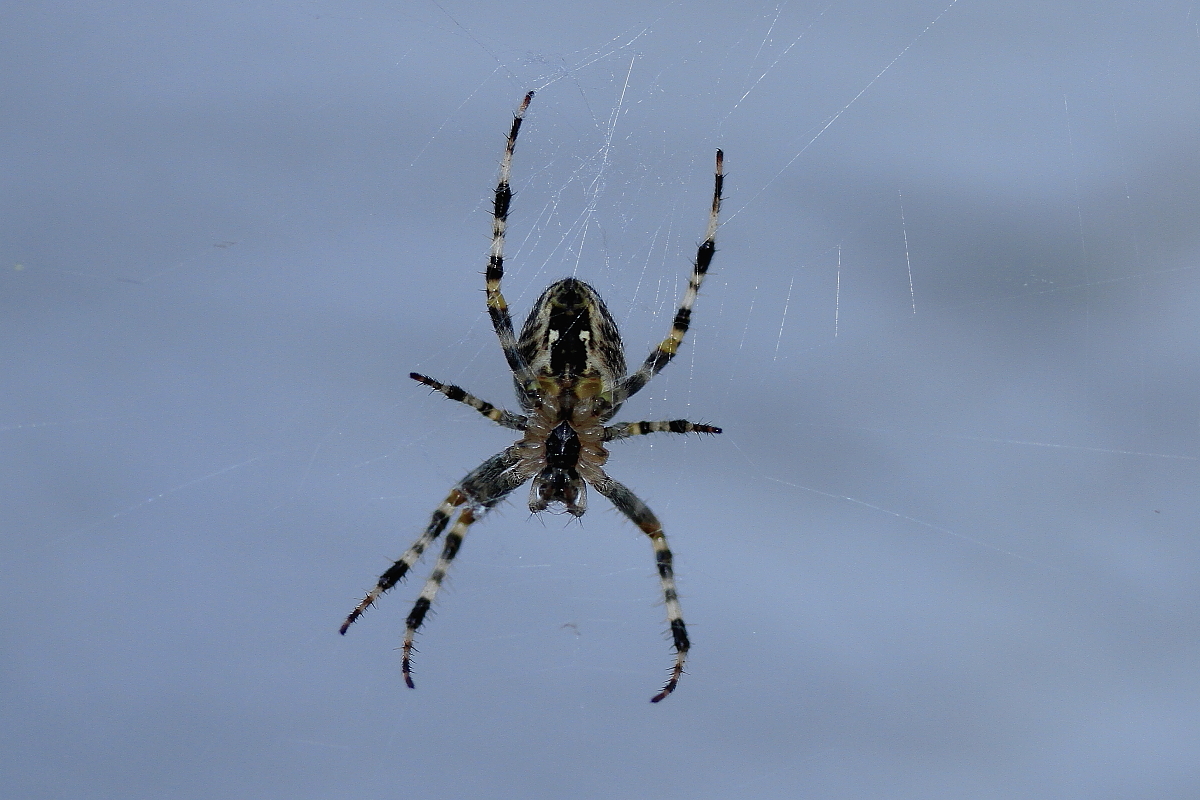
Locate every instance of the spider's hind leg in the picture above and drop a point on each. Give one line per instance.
(661, 355)
(496, 304)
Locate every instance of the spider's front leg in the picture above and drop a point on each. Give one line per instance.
(420, 608)
(479, 491)
(640, 514)
(400, 568)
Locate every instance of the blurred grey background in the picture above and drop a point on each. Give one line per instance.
(946, 547)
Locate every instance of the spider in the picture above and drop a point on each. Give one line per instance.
(568, 367)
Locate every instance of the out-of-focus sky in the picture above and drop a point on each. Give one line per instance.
(947, 546)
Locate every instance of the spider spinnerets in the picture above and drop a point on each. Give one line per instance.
(568, 367)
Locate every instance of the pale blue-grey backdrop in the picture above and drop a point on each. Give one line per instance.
(947, 546)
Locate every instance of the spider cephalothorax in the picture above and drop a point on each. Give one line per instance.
(569, 370)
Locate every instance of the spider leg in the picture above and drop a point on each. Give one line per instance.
(482, 488)
(501, 417)
(661, 355)
(432, 584)
(497, 306)
(398, 570)
(486, 486)
(639, 513)
(623, 430)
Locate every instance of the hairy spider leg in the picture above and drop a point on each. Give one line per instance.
(661, 355)
(482, 488)
(640, 514)
(501, 417)
(497, 306)
(623, 430)
(400, 568)
(485, 487)
(432, 584)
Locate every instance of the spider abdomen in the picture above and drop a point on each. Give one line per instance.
(570, 336)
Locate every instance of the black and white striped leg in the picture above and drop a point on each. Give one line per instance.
(497, 306)
(661, 355)
(624, 430)
(482, 488)
(432, 584)
(640, 514)
(479, 491)
(498, 415)
(411, 556)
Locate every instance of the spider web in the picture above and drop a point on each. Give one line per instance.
(944, 548)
